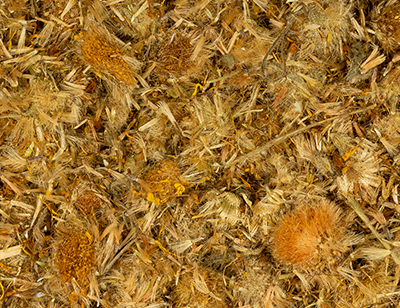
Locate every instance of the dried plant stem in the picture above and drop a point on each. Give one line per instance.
(125, 246)
(10, 116)
(4, 49)
(278, 140)
(356, 207)
(264, 61)
(10, 252)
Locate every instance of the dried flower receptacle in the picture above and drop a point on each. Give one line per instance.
(163, 182)
(175, 55)
(106, 56)
(88, 202)
(75, 257)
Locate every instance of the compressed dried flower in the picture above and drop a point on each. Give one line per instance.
(360, 176)
(163, 182)
(226, 204)
(313, 149)
(88, 202)
(175, 55)
(106, 56)
(75, 257)
(256, 280)
(332, 22)
(387, 27)
(310, 236)
(388, 131)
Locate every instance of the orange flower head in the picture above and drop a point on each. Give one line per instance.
(310, 236)
(75, 256)
(106, 56)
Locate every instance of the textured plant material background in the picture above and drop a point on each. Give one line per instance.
(215, 153)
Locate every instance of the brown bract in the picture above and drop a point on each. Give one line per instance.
(310, 234)
(106, 56)
(75, 256)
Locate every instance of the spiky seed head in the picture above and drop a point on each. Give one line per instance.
(310, 236)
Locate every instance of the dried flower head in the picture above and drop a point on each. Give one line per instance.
(254, 284)
(311, 236)
(388, 131)
(333, 21)
(374, 286)
(175, 54)
(226, 205)
(387, 27)
(200, 289)
(163, 182)
(75, 256)
(313, 149)
(360, 175)
(88, 202)
(103, 53)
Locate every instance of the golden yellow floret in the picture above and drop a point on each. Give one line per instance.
(163, 182)
(76, 256)
(105, 56)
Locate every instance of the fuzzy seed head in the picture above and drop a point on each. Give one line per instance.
(310, 235)
(75, 257)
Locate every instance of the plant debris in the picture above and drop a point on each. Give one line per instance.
(184, 153)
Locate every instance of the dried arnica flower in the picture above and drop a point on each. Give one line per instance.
(310, 236)
(106, 56)
(226, 204)
(387, 27)
(75, 256)
(388, 131)
(88, 202)
(162, 182)
(360, 172)
(175, 54)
